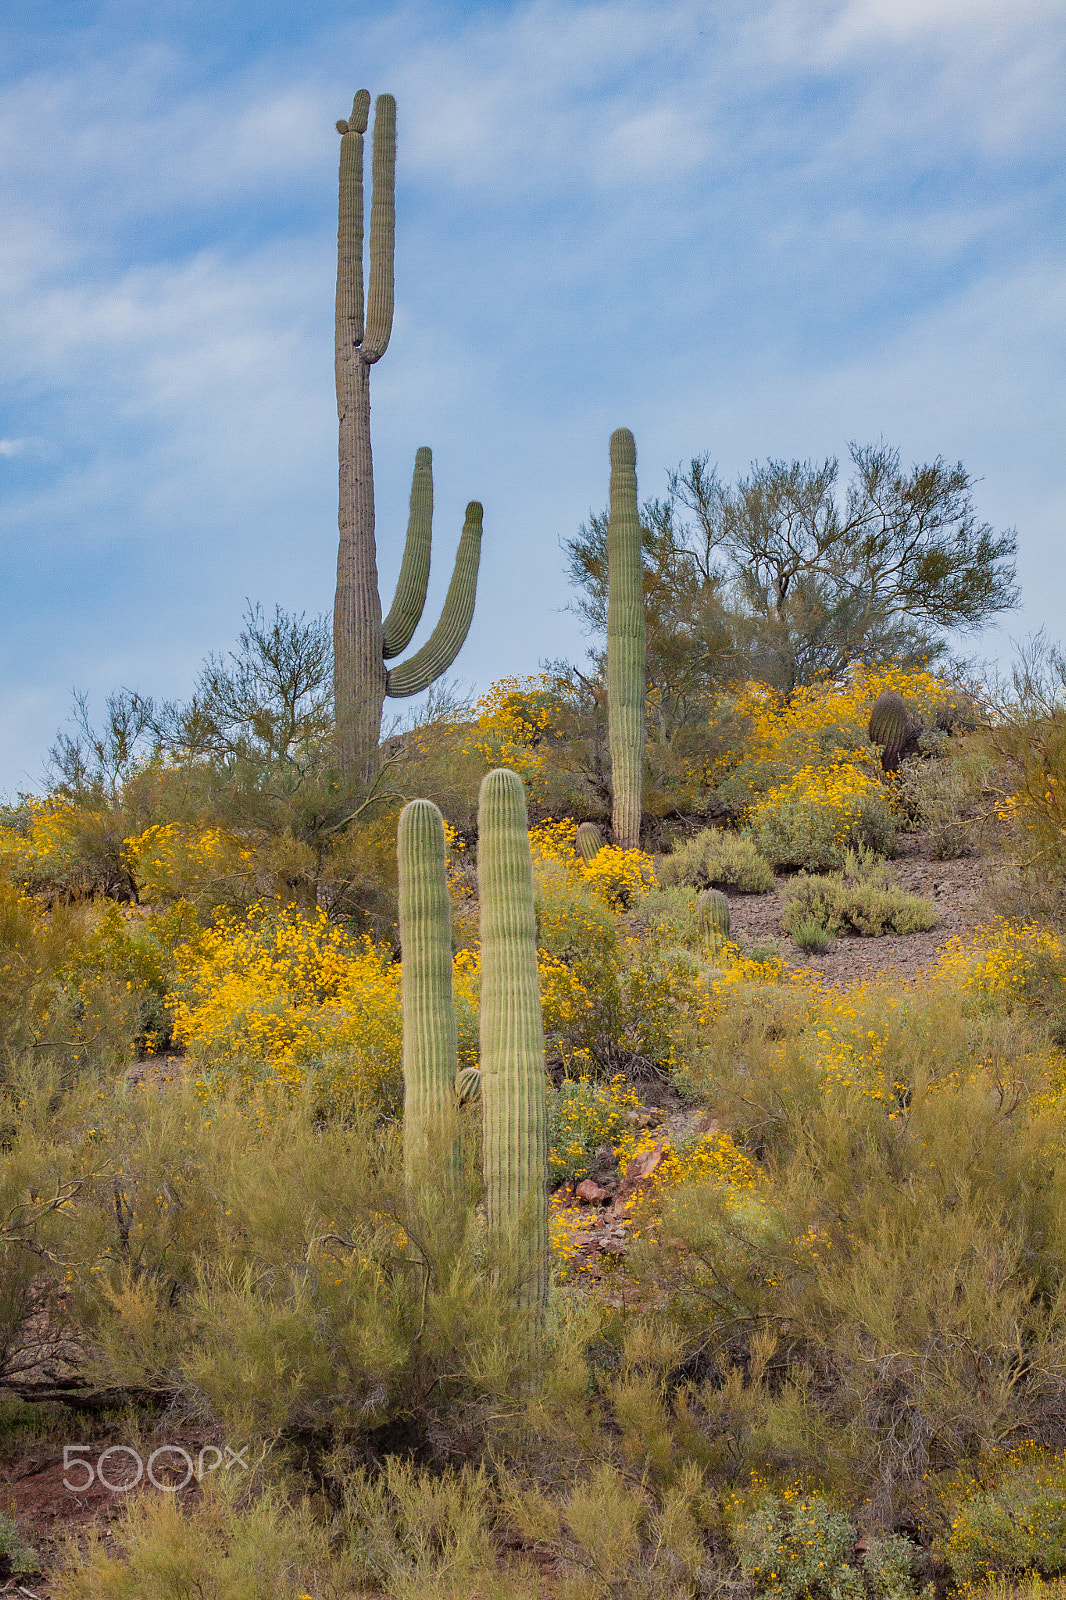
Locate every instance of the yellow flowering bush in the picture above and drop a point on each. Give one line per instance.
(819, 725)
(277, 997)
(815, 816)
(170, 861)
(582, 1117)
(55, 848)
(1006, 1517)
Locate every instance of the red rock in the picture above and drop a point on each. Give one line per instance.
(591, 1192)
(638, 1171)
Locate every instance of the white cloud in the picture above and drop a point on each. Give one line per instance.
(749, 227)
(12, 447)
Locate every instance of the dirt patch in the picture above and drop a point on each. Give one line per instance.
(953, 887)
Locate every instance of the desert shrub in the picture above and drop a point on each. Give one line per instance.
(583, 1117)
(718, 860)
(811, 934)
(614, 1539)
(672, 914)
(1005, 1517)
(59, 1001)
(814, 818)
(282, 997)
(773, 736)
(617, 877)
(907, 1228)
(258, 1548)
(63, 850)
(797, 1545)
(16, 1558)
(943, 796)
(858, 899)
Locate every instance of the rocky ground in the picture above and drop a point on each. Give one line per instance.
(954, 888)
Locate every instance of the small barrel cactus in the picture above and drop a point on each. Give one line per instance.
(513, 1087)
(429, 1034)
(888, 728)
(712, 911)
(589, 841)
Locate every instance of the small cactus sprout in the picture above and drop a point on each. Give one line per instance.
(888, 728)
(589, 841)
(429, 1034)
(626, 650)
(712, 910)
(468, 1085)
(513, 1089)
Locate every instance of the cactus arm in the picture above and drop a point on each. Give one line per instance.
(626, 663)
(349, 309)
(405, 613)
(513, 1094)
(430, 1060)
(448, 637)
(381, 288)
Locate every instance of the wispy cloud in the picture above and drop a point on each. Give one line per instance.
(749, 228)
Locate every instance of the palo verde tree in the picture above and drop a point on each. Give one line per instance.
(362, 642)
(789, 577)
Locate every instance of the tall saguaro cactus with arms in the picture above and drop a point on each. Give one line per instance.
(626, 651)
(362, 642)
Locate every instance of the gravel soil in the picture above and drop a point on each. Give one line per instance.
(953, 887)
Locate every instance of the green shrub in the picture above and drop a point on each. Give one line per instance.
(16, 1559)
(583, 1117)
(858, 899)
(1007, 1521)
(798, 1546)
(718, 860)
(671, 913)
(805, 834)
(943, 797)
(812, 935)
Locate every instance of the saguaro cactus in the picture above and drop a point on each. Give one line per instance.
(361, 642)
(513, 1096)
(712, 913)
(588, 841)
(625, 643)
(429, 1036)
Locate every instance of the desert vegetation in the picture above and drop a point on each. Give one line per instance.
(410, 1158)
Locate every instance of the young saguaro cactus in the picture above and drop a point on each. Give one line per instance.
(362, 643)
(626, 658)
(588, 841)
(430, 1059)
(513, 1093)
(712, 912)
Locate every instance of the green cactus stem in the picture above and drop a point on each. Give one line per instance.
(430, 1061)
(589, 841)
(513, 1094)
(712, 912)
(362, 643)
(626, 664)
(447, 638)
(888, 728)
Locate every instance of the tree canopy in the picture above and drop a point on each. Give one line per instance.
(790, 577)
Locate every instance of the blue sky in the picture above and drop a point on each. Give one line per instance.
(752, 227)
